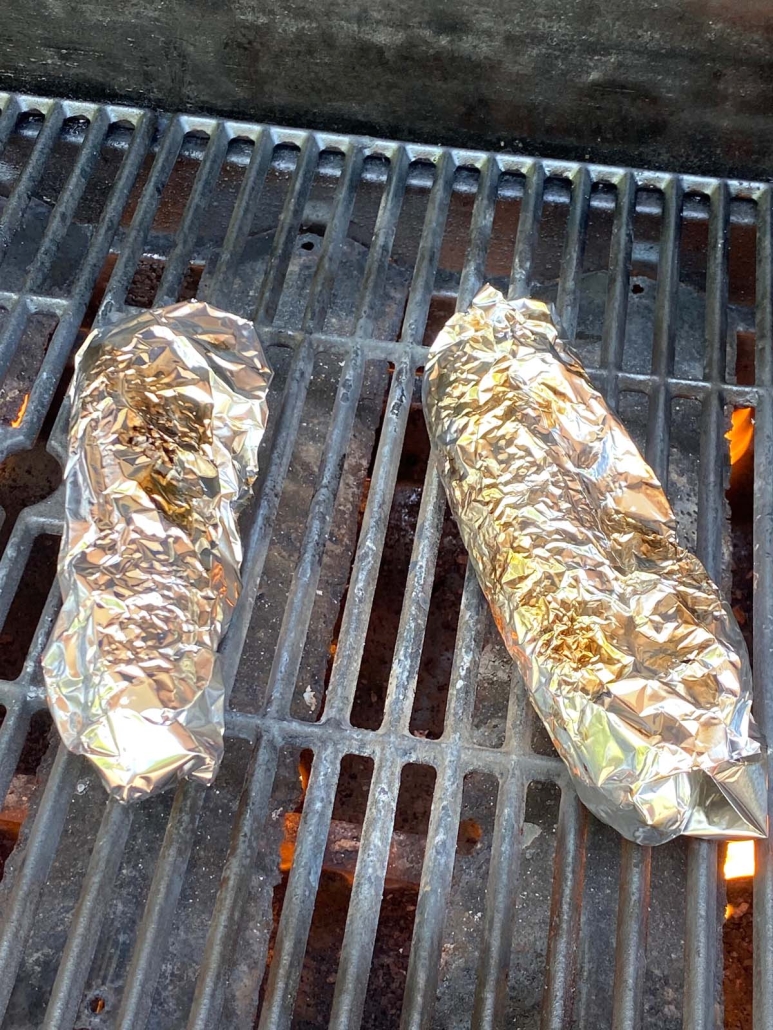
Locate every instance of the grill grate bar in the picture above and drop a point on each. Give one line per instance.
(158, 916)
(413, 618)
(12, 734)
(437, 873)
(491, 986)
(658, 423)
(21, 194)
(369, 875)
(57, 226)
(569, 861)
(631, 938)
(381, 244)
(203, 187)
(332, 243)
(763, 602)
(270, 492)
(8, 119)
(284, 240)
(246, 205)
(224, 926)
(89, 915)
(703, 915)
(300, 603)
(420, 297)
(132, 247)
(713, 445)
(565, 909)
(717, 284)
(568, 296)
(72, 316)
(21, 908)
(618, 287)
(701, 932)
(370, 546)
(298, 907)
(528, 232)
(67, 203)
(411, 749)
(481, 227)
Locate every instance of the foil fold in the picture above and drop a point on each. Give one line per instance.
(168, 409)
(631, 657)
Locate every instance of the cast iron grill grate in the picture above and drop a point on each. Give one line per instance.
(204, 908)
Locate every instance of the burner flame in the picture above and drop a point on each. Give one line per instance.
(739, 859)
(20, 413)
(741, 433)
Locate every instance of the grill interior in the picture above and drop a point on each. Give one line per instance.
(391, 840)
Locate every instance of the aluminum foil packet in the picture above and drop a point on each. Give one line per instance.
(632, 659)
(168, 409)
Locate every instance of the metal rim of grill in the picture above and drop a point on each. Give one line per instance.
(514, 765)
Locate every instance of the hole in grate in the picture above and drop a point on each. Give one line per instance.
(463, 918)
(552, 231)
(737, 943)
(368, 707)
(25, 479)
(313, 680)
(492, 690)
(499, 259)
(745, 352)
(684, 462)
(690, 337)
(530, 930)
(594, 279)
(15, 806)
(429, 706)
(740, 498)
(27, 606)
(320, 964)
(147, 278)
(24, 367)
(632, 408)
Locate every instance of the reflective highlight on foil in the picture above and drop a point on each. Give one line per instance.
(632, 659)
(168, 409)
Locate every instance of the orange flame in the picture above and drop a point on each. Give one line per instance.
(741, 433)
(20, 413)
(739, 859)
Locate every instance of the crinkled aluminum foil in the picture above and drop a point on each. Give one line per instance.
(635, 664)
(168, 409)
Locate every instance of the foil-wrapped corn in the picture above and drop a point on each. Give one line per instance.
(168, 409)
(632, 659)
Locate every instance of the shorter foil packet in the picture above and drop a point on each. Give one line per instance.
(632, 659)
(168, 409)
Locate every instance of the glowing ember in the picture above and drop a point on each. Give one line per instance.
(739, 859)
(741, 433)
(20, 413)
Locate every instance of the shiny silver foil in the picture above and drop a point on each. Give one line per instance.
(632, 659)
(168, 409)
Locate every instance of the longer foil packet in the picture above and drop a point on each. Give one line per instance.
(168, 409)
(632, 659)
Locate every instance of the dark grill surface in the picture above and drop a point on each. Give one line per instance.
(391, 840)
